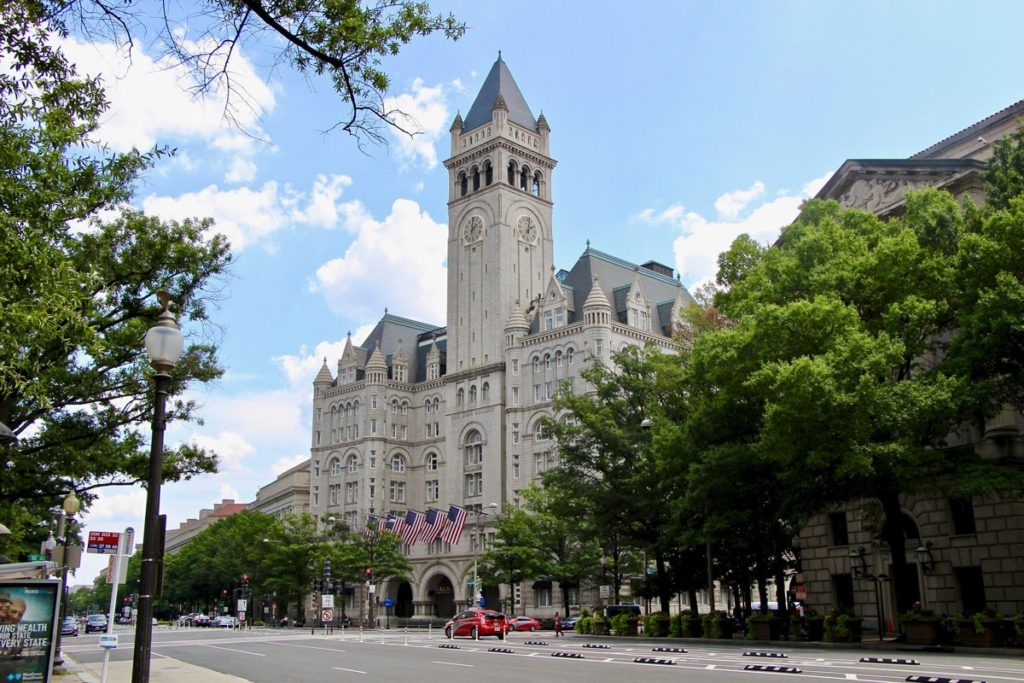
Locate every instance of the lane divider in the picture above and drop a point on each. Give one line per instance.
(668, 649)
(939, 679)
(652, 660)
(502, 650)
(772, 667)
(759, 653)
(536, 642)
(449, 646)
(889, 660)
(571, 655)
(597, 646)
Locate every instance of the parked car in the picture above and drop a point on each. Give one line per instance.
(525, 624)
(95, 622)
(569, 623)
(477, 623)
(613, 610)
(69, 627)
(225, 622)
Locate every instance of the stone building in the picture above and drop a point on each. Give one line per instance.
(192, 527)
(287, 494)
(964, 554)
(421, 415)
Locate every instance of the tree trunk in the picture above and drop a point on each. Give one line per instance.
(894, 535)
(664, 590)
(780, 592)
(692, 594)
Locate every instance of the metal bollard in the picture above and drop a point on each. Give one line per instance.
(406, 635)
(360, 633)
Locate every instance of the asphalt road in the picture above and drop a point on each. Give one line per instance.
(293, 655)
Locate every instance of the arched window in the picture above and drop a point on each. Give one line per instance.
(405, 407)
(397, 463)
(512, 173)
(536, 363)
(428, 405)
(536, 184)
(394, 406)
(437, 405)
(539, 433)
(558, 359)
(547, 361)
(353, 463)
(432, 462)
(569, 356)
(335, 467)
(460, 397)
(472, 394)
(524, 178)
(476, 178)
(474, 448)
(463, 185)
(485, 391)
(488, 173)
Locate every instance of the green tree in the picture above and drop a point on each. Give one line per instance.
(76, 294)
(514, 556)
(344, 43)
(836, 371)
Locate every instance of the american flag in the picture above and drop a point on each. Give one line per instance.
(396, 523)
(453, 528)
(413, 526)
(371, 526)
(433, 525)
(382, 524)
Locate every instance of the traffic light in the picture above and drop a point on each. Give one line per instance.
(369, 573)
(518, 591)
(245, 580)
(327, 569)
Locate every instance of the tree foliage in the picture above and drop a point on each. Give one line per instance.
(77, 291)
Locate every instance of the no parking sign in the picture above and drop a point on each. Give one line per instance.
(327, 615)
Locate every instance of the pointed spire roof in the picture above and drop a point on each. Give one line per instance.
(324, 376)
(499, 83)
(457, 123)
(348, 355)
(597, 298)
(517, 319)
(376, 360)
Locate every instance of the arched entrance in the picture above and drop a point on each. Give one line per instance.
(492, 597)
(403, 601)
(442, 594)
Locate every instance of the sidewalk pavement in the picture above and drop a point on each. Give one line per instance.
(161, 670)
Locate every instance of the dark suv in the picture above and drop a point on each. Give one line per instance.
(476, 623)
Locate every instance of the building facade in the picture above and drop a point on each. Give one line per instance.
(421, 415)
(964, 554)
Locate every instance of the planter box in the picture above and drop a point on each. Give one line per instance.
(663, 624)
(971, 638)
(922, 632)
(692, 628)
(769, 629)
(854, 636)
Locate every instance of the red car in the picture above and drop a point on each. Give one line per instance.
(525, 624)
(477, 623)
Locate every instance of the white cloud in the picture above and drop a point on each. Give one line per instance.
(702, 240)
(302, 368)
(227, 492)
(230, 447)
(150, 100)
(117, 505)
(424, 111)
(322, 206)
(398, 260)
(286, 463)
(241, 171)
(730, 204)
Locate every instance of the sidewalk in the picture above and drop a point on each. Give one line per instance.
(161, 670)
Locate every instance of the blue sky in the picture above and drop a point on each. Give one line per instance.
(676, 126)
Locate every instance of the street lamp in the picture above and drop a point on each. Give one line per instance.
(69, 506)
(925, 557)
(164, 344)
(476, 579)
(859, 568)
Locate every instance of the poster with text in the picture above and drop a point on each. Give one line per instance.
(28, 620)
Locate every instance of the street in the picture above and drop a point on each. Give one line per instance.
(275, 656)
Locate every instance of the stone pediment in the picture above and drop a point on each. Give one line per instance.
(879, 185)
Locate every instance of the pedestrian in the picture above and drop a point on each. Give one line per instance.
(558, 625)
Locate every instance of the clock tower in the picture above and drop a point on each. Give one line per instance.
(500, 250)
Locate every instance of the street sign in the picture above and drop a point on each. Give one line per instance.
(388, 602)
(108, 641)
(327, 601)
(483, 602)
(241, 616)
(114, 576)
(103, 542)
(327, 615)
(128, 541)
(243, 605)
(605, 591)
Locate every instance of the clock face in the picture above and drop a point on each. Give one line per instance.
(473, 232)
(526, 231)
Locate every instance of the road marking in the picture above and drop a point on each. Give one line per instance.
(453, 664)
(231, 649)
(711, 666)
(354, 671)
(851, 677)
(308, 647)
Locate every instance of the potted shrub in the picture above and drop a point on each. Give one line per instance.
(921, 626)
(811, 626)
(842, 626)
(583, 625)
(624, 624)
(764, 626)
(691, 625)
(598, 625)
(718, 625)
(980, 629)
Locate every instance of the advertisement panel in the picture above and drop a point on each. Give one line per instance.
(28, 621)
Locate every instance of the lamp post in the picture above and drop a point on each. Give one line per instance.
(859, 568)
(164, 344)
(69, 507)
(476, 579)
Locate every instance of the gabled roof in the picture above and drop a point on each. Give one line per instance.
(500, 82)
